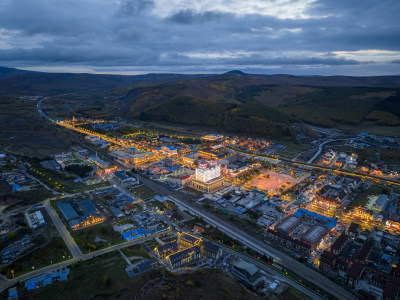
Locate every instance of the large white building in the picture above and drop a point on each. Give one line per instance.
(208, 171)
(208, 177)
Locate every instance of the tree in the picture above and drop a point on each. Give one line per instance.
(190, 283)
(106, 280)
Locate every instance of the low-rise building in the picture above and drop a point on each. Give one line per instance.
(35, 219)
(167, 249)
(247, 272)
(188, 240)
(210, 249)
(183, 257)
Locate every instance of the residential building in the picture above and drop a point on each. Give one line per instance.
(183, 257)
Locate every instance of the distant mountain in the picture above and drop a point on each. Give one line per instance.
(235, 72)
(7, 72)
(41, 83)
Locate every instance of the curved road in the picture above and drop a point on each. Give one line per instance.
(323, 144)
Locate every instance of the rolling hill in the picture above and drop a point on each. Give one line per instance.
(234, 101)
(260, 104)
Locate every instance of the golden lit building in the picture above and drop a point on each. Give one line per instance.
(208, 177)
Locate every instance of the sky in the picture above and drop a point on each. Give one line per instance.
(299, 37)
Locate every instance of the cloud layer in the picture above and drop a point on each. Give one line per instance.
(139, 36)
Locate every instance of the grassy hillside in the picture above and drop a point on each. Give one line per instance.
(246, 119)
(235, 101)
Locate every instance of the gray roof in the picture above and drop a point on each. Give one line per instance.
(248, 267)
(189, 238)
(67, 210)
(168, 246)
(176, 257)
(210, 246)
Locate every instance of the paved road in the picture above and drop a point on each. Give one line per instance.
(288, 262)
(272, 271)
(323, 144)
(9, 283)
(66, 236)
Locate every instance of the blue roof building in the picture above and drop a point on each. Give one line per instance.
(16, 187)
(68, 211)
(46, 279)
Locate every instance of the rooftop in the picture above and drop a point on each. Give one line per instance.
(248, 267)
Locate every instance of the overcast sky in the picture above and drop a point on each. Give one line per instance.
(301, 37)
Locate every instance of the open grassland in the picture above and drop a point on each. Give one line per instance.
(85, 238)
(104, 278)
(24, 131)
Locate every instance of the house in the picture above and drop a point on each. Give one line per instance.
(122, 177)
(91, 180)
(183, 257)
(166, 249)
(210, 249)
(188, 240)
(339, 244)
(354, 274)
(116, 211)
(47, 279)
(327, 263)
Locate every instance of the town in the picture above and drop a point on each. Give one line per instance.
(237, 204)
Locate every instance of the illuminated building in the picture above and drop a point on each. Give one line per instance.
(142, 158)
(381, 203)
(190, 158)
(183, 257)
(208, 177)
(188, 240)
(314, 235)
(166, 249)
(212, 137)
(187, 249)
(79, 215)
(208, 171)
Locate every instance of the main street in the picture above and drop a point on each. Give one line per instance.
(286, 261)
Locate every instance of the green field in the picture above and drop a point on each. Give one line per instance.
(87, 280)
(135, 250)
(33, 196)
(85, 237)
(293, 294)
(103, 277)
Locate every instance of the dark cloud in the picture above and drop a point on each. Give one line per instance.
(131, 8)
(189, 16)
(144, 34)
